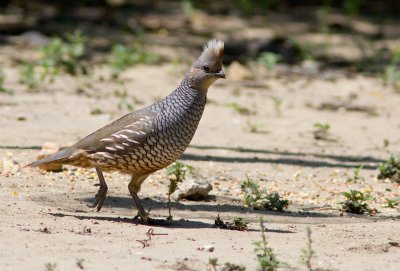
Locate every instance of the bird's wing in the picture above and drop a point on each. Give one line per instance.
(129, 132)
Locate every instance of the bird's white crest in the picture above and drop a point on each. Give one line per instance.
(213, 49)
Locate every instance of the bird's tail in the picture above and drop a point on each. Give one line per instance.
(59, 157)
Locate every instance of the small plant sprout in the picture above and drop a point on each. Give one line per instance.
(213, 263)
(308, 253)
(356, 175)
(188, 8)
(28, 76)
(64, 55)
(240, 109)
(390, 169)
(386, 143)
(277, 105)
(357, 172)
(178, 171)
(2, 88)
(233, 267)
(123, 57)
(259, 199)
(356, 202)
(321, 131)
(50, 266)
(391, 75)
(238, 224)
(269, 60)
(392, 203)
(266, 258)
(123, 95)
(60, 55)
(253, 127)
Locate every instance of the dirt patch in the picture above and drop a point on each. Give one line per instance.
(263, 129)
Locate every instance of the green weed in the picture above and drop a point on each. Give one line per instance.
(28, 76)
(277, 104)
(356, 202)
(308, 253)
(353, 6)
(391, 75)
(50, 266)
(59, 56)
(65, 55)
(238, 224)
(123, 95)
(321, 131)
(240, 109)
(269, 60)
(123, 57)
(307, 50)
(2, 88)
(177, 172)
(356, 175)
(259, 199)
(390, 169)
(392, 203)
(253, 127)
(266, 258)
(386, 143)
(213, 263)
(233, 267)
(188, 7)
(96, 111)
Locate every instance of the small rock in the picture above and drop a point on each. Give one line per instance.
(310, 66)
(208, 248)
(30, 38)
(21, 117)
(193, 189)
(238, 72)
(48, 149)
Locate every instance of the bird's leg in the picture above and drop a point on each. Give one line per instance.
(134, 188)
(101, 194)
(141, 212)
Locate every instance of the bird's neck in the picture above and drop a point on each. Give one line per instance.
(190, 81)
(184, 98)
(189, 87)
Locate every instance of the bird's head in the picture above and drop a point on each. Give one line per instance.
(208, 67)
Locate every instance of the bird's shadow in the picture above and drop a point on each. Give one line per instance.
(130, 220)
(198, 206)
(212, 205)
(161, 223)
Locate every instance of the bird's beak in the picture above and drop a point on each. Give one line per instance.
(220, 74)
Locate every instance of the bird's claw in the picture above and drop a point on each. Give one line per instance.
(100, 197)
(145, 219)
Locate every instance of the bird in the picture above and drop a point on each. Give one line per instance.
(149, 139)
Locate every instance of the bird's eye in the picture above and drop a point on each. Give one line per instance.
(205, 68)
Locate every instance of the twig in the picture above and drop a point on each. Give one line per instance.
(149, 234)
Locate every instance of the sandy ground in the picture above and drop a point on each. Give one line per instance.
(44, 218)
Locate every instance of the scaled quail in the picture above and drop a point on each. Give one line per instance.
(151, 138)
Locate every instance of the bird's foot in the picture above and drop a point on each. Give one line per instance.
(144, 218)
(100, 197)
